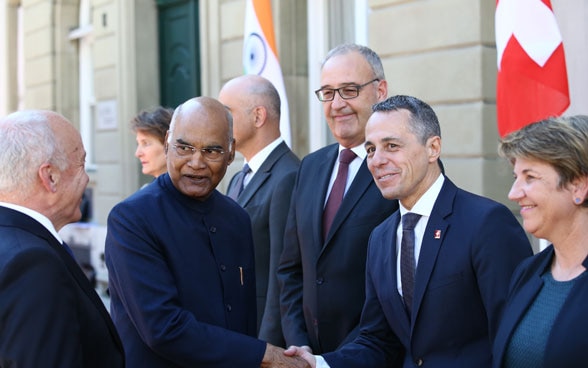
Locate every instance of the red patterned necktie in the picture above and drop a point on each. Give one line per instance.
(338, 190)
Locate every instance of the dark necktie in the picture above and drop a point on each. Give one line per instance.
(407, 259)
(68, 249)
(238, 187)
(338, 190)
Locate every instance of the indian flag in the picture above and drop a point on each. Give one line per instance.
(260, 55)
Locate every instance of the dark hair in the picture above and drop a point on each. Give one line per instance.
(154, 121)
(423, 120)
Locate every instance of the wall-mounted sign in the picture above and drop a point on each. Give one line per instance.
(106, 116)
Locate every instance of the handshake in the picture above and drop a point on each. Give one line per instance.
(293, 357)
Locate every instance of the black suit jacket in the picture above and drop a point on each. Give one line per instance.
(322, 281)
(50, 316)
(266, 198)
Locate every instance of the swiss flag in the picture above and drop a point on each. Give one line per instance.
(532, 78)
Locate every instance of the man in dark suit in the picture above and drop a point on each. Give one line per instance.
(322, 267)
(180, 257)
(265, 190)
(50, 316)
(434, 293)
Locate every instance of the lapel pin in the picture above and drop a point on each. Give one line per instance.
(437, 234)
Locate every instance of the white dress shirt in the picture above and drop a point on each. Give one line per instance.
(423, 207)
(353, 168)
(258, 159)
(35, 215)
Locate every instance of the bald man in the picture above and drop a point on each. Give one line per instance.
(180, 257)
(50, 316)
(266, 188)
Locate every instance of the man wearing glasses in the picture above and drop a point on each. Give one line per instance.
(335, 205)
(180, 257)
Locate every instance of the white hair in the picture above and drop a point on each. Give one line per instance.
(26, 142)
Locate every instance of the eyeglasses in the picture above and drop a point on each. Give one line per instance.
(208, 153)
(346, 93)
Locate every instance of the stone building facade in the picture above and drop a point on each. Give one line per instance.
(99, 62)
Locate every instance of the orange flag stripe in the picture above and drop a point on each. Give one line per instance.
(263, 10)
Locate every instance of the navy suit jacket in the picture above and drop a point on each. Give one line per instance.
(50, 316)
(266, 198)
(322, 281)
(567, 343)
(470, 248)
(182, 280)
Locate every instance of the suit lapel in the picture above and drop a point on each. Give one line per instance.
(322, 175)
(512, 314)
(397, 302)
(262, 175)
(360, 184)
(252, 187)
(432, 242)
(31, 225)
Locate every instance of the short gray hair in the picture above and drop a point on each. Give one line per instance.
(266, 94)
(368, 54)
(27, 142)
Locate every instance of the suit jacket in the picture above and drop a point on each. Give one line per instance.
(266, 198)
(470, 248)
(50, 316)
(182, 281)
(322, 281)
(567, 344)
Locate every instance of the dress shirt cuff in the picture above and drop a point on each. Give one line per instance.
(321, 362)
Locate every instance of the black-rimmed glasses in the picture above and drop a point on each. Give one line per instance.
(346, 92)
(208, 153)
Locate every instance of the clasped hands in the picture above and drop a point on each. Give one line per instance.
(293, 357)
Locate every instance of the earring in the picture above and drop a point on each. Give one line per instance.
(577, 200)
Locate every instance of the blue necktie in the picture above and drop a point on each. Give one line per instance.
(407, 258)
(68, 249)
(238, 187)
